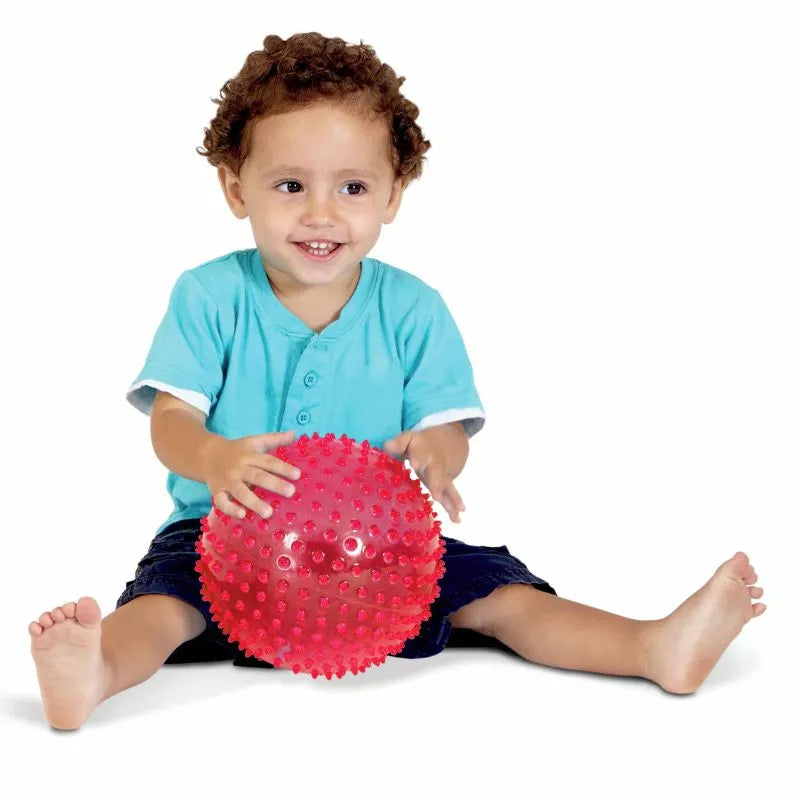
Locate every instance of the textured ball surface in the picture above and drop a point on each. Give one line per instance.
(341, 574)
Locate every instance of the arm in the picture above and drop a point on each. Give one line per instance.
(441, 407)
(230, 468)
(179, 436)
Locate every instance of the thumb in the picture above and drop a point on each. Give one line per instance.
(399, 445)
(265, 442)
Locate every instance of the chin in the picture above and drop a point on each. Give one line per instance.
(322, 276)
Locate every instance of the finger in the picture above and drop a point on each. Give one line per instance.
(266, 480)
(434, 478)
(435, 485)
(249, 499)
(399, 444)
(277, 467)
(224, 502)
(455, 497)
(448, 506)
(421, 459)
(269, 441)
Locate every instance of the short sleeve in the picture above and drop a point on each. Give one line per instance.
(439, 386)
(187, 353)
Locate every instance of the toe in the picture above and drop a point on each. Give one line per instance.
(35, 629)
(736, 567)
(57, 614)
(87, 612)
(756, 591)
(69, 609)
(759, 608)
(46, 621)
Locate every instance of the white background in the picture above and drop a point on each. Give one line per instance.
(610, 208)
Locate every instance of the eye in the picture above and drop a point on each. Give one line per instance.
(354, 183)
(289, 183)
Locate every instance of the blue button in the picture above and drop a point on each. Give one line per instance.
(310, 379)
(303, 418)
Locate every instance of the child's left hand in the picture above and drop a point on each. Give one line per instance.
(437, 455)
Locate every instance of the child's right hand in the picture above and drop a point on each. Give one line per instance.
(232, 466)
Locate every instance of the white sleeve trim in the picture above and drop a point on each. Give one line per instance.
(142, 394)
(472, 419)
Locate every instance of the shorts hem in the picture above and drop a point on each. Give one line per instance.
(431, 642)
(179, 589)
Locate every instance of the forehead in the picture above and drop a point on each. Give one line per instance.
(321, 138)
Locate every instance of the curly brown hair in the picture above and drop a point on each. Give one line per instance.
(300, 70)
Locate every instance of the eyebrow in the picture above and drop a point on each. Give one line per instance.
(286, 169)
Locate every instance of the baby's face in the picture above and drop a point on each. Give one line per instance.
(317, 174)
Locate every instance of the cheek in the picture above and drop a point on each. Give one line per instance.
(366, 220)
(273, 220)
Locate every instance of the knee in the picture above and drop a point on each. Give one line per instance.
(486, 615)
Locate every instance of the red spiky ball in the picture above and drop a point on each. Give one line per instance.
(342, 573)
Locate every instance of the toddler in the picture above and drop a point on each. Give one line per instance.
(315, 144)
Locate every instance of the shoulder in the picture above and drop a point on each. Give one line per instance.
(221, 278)
(400, 293)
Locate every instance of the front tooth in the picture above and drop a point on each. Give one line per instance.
(315, 245)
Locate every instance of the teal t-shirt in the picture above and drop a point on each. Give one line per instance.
(394, 360)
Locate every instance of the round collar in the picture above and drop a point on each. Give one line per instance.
(281, 317)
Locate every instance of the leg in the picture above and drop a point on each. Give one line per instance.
(557, 632)
(676, 652)
(81, 660)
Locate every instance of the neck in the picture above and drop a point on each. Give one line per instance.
(316, 306)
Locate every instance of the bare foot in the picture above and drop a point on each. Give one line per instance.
(65, 644)
(687, 644)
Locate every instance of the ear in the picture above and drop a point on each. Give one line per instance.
(394, 201)
(232, 189)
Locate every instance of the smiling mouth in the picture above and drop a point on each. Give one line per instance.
(319, 249)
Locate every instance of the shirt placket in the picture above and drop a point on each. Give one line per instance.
(303, 410)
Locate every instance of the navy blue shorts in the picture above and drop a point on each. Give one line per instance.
(471, 572)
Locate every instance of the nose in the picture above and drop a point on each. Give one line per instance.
(319, 211)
